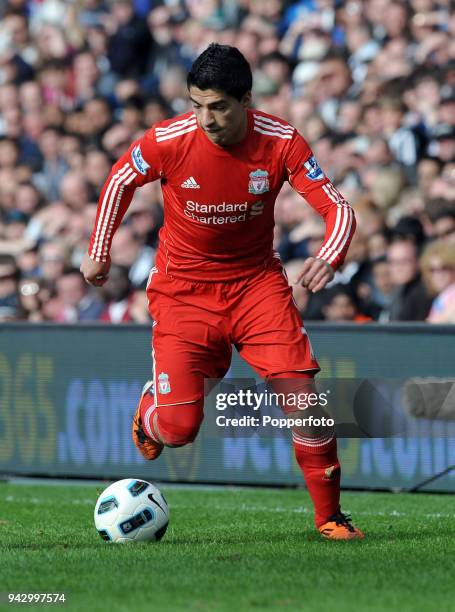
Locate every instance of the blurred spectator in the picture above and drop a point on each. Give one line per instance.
(438, 267)
(444, 225)
(73, 300)
(54, 167)
(75, 191)
(116, 293)
(31, 299)
(369, 83)
(301, 294)
(129, 251)
(340, 306)
(28, 262)
(411, 301)
(409, 228)
(377, 295)
(96, 170)
(139, 310)
(428, 169)
(53, 260)
(129, 40)
(9, 297)
(97, 118)
(378, 243)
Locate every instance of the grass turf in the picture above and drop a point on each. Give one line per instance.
(231, 549)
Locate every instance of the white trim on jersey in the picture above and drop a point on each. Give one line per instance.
(334, 194)
(149, 280)
(347, 233)
(177, 125)
(178, 403)
(340, 233)
(273, 123)
(329, 252)
(106, 195)
(166, 136)
(151, 273)
(123, 176)
(269, 133)
(154, 324)
(279, 128)
(113, 216)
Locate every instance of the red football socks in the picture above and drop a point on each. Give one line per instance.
(317, 458)
(147, 412)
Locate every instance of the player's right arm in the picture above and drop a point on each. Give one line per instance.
(139, 165)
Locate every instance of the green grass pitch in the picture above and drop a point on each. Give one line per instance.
(230, 549)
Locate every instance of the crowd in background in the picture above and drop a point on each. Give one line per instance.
(369, 83)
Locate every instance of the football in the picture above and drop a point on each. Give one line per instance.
(131, 510)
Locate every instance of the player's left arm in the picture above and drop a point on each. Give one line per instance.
(307, 178)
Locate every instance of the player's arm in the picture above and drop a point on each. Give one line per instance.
(139, 165)
(307, 178)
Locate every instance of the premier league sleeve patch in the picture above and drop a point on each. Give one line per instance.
(138, 161)
(314, 170)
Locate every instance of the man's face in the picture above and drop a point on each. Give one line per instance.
(341, 308)
(70, 289)
(404, 265)
(222, 117)
(444, 229)
(427, 171)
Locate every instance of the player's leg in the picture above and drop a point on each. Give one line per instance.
(188, 345)
(315, 448)
(155, 427)
(270, 337)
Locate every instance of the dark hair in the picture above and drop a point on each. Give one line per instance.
(435, 206)
(7, 259)
(409, 228)
(335, 291)
(71, 271)
(442, 214)
(223, 68)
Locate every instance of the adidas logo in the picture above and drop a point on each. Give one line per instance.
(190, 183)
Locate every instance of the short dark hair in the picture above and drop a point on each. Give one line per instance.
(223, 68)
(335, 291)
(443, 214)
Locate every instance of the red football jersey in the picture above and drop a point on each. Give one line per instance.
(219, 201)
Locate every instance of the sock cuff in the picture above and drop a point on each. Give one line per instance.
(323, 446)
(149, 417)
(312, 442)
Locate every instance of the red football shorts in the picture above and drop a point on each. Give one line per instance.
(196, 323)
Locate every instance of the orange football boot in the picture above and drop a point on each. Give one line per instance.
(339, 527)
(148, 447)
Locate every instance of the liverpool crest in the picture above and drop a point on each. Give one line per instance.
(259, 182)
(164, 385)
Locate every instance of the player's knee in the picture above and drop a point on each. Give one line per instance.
(179, 425)
(294, 389)
(178, 436)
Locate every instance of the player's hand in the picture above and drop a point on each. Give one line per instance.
(95, 272)
(315, 274)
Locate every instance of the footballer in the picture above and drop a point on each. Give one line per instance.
(217, 282)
